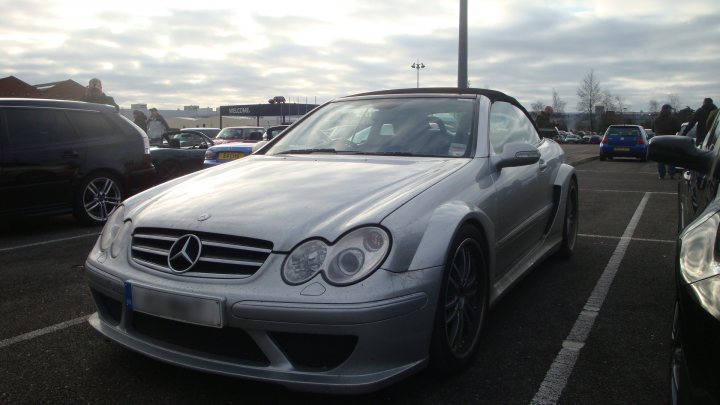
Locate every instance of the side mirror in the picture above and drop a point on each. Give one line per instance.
(680, 151)
(517, 154)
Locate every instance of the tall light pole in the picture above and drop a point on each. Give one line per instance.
(462, 47)
(417, 66)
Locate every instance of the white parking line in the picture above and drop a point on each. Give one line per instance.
(47, 242)
(626, 191)
(583, 235)
(557, 376)
(44, 331)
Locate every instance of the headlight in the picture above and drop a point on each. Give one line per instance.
(112, 227)
(209, 155)
(698, 250)
(354, 257)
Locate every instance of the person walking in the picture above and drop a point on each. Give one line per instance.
(666, 124)
(699, 118)
(94, 94)
(140, 119)
(544, 119)
(156, 126)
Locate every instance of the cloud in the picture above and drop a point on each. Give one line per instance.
(232, 53)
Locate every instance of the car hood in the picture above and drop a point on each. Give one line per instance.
(291, 198)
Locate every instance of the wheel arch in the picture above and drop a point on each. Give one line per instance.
(443, 225)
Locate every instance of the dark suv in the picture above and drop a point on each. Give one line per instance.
(60, 156)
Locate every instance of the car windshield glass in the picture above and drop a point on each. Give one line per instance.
(398, 127)
(623, 131)
(241, 133)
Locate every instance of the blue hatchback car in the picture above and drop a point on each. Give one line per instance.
(624, 141)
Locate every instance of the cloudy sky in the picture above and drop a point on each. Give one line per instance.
(174, 53)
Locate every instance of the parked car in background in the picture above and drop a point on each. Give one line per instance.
(210, 132)
(550, 133)
(650, 133)
(572, 138)
(624, 141)
(272, 132)
(376, 259)
(691, 134)
(695, 361)
(173, 159)
(58, 157)
(595, 139)
(237, 134)
(227, 152)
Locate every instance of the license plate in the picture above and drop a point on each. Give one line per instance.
(622, 149)
(194, 309)
(230, 155)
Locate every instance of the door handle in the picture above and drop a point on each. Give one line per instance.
(70, 154)
(542, 165)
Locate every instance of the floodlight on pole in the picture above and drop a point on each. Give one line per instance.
(417, 66)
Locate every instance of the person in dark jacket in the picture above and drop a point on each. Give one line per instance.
(94, 94)
(544, 119)
(700, 117)
(666, 124)
(140, 119)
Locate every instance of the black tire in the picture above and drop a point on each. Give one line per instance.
(462, 304)
(96, 197)
(571, 221)
(169, 170)
(678, 387)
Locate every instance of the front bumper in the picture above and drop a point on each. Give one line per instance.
(698, 337)
(353, 339)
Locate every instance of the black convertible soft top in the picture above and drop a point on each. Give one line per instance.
(493, 95)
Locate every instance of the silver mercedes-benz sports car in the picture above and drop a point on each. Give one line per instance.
(364, 244)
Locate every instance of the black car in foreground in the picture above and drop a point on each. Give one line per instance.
(695, 359)
(58, 157)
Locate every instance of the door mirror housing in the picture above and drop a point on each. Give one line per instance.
(517, 154)
(680, 151)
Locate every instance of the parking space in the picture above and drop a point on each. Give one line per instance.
(623, 360)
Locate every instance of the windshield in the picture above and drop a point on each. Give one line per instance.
(254, 134)
(402, 126)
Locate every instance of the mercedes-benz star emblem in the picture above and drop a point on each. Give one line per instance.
(184, 253)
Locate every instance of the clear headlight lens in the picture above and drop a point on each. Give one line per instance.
(209, 155)
(698, 250)
(112, 227)
(354, 257)
(120, 242)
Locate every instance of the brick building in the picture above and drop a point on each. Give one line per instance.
(11, 86)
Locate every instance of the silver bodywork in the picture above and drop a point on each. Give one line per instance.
(376, 330)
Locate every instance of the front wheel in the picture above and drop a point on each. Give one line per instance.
(97, 197)
(462, 304)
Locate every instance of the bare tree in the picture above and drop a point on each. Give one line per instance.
(620, 103)
(607, 100)
(653, 106)
(558, 103)
(674, 101)
(536, 107)
(590, 95)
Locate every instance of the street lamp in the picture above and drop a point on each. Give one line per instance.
(417, 66)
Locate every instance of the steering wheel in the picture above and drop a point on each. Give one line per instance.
(441, 125)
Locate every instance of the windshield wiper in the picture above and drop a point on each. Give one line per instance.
(387, 153)
(306, 151)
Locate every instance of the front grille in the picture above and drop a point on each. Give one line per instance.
(221, 344)
(220, 255)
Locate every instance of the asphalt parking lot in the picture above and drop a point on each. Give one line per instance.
(593, 329)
